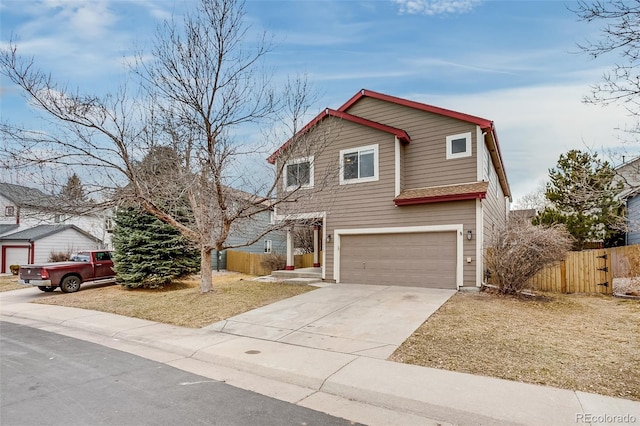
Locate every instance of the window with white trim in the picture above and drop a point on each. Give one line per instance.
(9, 211)
(298, 173)
(267, 246)
(359, 164)
(459, 146)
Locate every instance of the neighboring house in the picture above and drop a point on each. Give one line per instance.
(629, 174)
(416, 192)
(23, 209)
(34, 245)
(244, 231)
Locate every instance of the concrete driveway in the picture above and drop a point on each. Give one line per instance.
(349, 318)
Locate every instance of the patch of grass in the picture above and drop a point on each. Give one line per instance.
(181, 303)
(579, 342)
(9, 282)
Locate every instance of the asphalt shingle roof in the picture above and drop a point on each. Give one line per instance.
(41, 231)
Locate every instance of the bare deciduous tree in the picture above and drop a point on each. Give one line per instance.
(620, 33)
(205, 81)
(535, 199)
(520, 250)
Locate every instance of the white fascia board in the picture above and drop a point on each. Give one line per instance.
(479, 242)
(457, 228)
(480, 153)
(397, 167)
(300, 216)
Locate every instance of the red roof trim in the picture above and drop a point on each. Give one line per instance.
(440, 198)
(399, 133)
(482, 122)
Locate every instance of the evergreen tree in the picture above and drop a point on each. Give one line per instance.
(72, 192)
(148, 252)
(583, 196)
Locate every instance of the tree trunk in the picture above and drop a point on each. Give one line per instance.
(206, 276)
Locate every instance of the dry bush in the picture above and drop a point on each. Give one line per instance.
(519, 250)
(59, 256)
(274, 261)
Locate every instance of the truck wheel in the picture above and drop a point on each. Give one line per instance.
(46, 289)
(70, 284)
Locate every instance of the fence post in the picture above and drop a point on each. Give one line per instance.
(563, 277)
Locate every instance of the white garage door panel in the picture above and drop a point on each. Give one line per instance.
(16, 256)
(426, 259)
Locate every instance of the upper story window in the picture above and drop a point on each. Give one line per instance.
(459, 146)
(298, 173)
(9, 211)
(359, 164)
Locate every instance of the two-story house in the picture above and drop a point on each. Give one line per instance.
(417, 191)
(34, 224)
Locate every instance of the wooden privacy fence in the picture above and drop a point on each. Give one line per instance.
(250, 263)
(589, 271)
(247, 263)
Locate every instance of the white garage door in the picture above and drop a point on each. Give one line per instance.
(426, 259)
(16, 256)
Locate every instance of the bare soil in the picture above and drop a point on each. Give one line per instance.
(579, 342)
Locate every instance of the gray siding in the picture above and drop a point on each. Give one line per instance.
(633, 220)
(494, 207)
(67, 240)
(242, 233)
(425, 162)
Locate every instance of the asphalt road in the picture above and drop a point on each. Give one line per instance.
(49, 379)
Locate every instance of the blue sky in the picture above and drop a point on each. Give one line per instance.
(513, 62)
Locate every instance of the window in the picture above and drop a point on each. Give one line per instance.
(299, 173)
(9, 211)
(267, 246)
(359, 164)
(459, 146)
(108, 224)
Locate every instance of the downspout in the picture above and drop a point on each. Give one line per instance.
(32, 249)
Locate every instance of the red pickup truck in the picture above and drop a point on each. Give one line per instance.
(84, 266)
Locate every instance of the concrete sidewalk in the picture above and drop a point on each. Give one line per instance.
(356, 387)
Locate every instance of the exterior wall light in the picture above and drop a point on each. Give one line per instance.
(469, 235)
(328, 238)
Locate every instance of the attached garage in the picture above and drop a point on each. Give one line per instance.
(14, 255)
(413, 259)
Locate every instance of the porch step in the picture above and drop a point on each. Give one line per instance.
(299, 273)
(301, 281)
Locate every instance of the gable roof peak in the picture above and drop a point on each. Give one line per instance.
(364, 93)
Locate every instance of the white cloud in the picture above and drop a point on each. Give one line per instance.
(435, 7)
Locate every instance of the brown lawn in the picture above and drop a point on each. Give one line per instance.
(579, 342)
(181, 303)
(9, 282)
